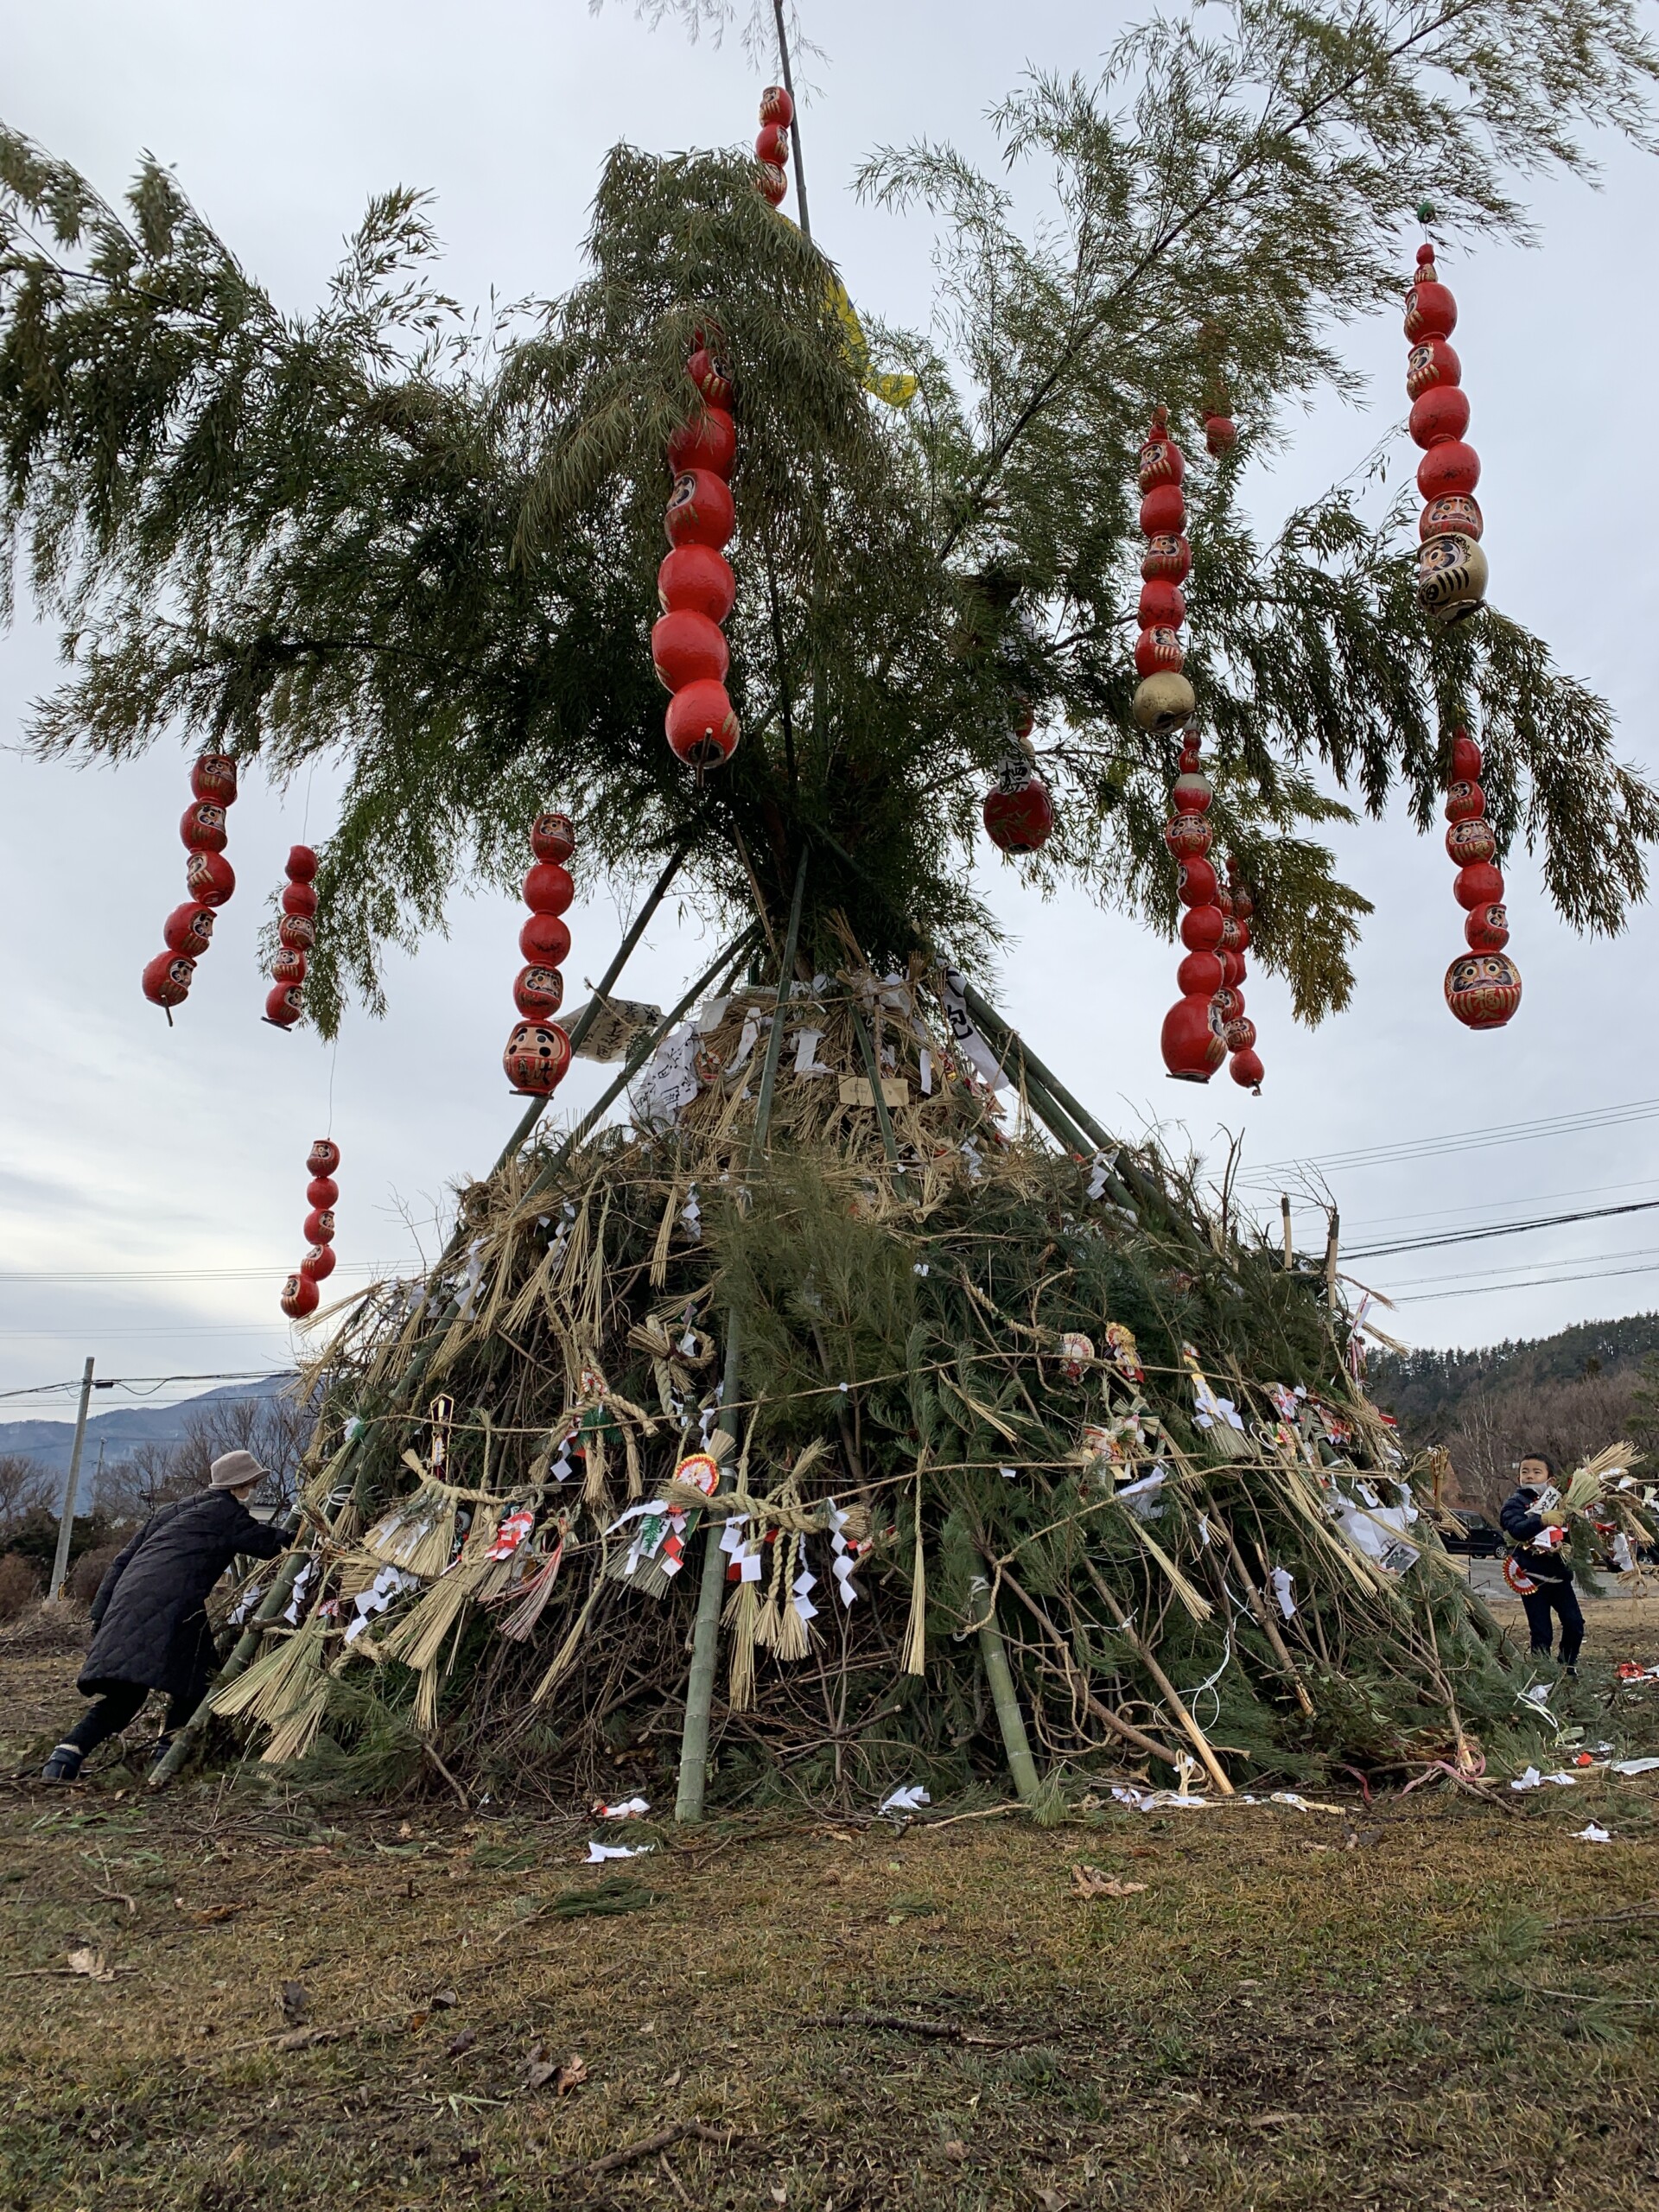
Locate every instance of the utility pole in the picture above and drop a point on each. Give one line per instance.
(67, 1519)
(1290, 1250)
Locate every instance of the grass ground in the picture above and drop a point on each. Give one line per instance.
(1433, 2001)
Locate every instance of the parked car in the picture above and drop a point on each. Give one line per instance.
(1478, 1539)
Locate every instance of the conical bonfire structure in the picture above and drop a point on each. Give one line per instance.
(837, 1388)
(859, 1408)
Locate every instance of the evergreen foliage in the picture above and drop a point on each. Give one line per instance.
(382, 533)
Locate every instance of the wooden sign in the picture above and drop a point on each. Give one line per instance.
(855, 1090)
(618, 1027)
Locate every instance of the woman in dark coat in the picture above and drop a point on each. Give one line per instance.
(149, 1615)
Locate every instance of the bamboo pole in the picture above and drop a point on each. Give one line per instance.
(705, 1633)
(994, 1655)
(883, 1117)
(775, 1041)
(1102, 1712)
(795, 127)
(1331, 1242)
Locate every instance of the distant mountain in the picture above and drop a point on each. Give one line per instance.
(1568, 1395)
(50, 1442)
(1428, 1390)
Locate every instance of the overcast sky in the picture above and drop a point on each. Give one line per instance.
(151, 1182)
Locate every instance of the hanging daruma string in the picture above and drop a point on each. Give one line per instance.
(1483, 986)
(295, 934)
(1450, 566)
(537, 1058)
(209, 881)
(1164, 703)
(300, 1293)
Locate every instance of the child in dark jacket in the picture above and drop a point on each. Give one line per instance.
(1552, 1593)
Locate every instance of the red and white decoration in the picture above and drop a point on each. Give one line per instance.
(296, 933)
(1192, 1041)
(1237, 1030)
(537, 1058)
(695, 583)
(209, 881)
(1450, 566)
(1019, 814)
(1483, 986)
(772, 147)
(300, 1293)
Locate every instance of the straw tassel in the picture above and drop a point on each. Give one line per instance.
(913, 1660)
(741, 1617)
(792, 1628)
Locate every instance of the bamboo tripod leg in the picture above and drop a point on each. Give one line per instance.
(705, 1635)
(1124, 1729)
(1015, 1743)
(590, 1013)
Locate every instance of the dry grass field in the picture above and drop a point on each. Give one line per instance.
(227, 1999)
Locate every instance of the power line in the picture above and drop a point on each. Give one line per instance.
(1551, 1125)
(130, 1382)
(1371, 1223)
(1501, 1229)
(1567, 1260)
(1533, 1282)
(188, 1275)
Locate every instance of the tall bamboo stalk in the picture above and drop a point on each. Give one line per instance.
(705, 1633)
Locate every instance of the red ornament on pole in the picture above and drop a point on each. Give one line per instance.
(1238, 1031)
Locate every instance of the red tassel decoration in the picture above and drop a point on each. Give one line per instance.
(300, 1294)
(1483, 986)
(537, 1058)
(209, 880)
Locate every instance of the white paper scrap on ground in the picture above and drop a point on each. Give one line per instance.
(1531, 1780)
(911, 1799)
(631, 1808)
(1158, 1801)
(1635, 1766)
(598, 1852)
(1592, 1834)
